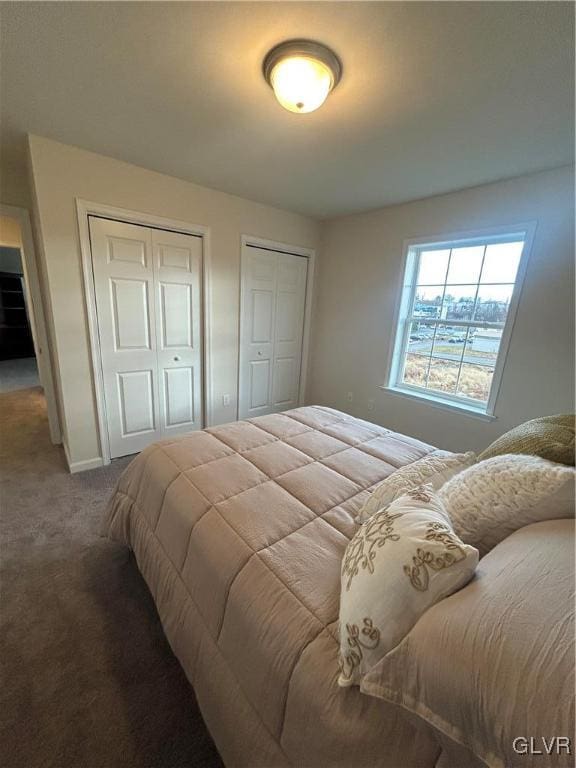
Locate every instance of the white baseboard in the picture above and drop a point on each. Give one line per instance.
(81, 466)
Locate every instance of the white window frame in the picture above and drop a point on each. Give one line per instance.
(403, 315)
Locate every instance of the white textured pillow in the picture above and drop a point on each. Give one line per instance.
(399, 563)
(435, 468)
(492, 499)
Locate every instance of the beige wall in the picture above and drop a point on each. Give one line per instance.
(357, 291)
(62, 173)
(14, 188)
(357, 284)
(10, 232)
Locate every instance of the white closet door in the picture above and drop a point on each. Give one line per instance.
(178, 267)
(273, 294)
(257, 314)
(289, 328)
(124, 286)
(148, 300)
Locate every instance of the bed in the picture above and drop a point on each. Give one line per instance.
(239, 532)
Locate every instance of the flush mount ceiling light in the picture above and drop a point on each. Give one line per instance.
(302, 73)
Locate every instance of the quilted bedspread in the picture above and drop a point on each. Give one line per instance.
(239, 531)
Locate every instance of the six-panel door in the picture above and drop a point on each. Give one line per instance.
(147, 285)
(178, 262)
(273, 296)
(289, 329)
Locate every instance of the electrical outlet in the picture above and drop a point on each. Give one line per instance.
(371, 404)
(350, 397)
(225, 400)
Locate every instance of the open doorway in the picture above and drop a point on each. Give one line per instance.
(18, 365)
(24, 355)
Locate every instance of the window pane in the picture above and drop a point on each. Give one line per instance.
(501, 262)
(433, 266)
(428, 301)
(459, 302)
(475, 381)
(443, 375)
(415, 370)
(420, 339)
(482, 346)
(465, 264)
(493, 302)
(449, 343)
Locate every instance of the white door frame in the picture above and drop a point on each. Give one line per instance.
(84, 209)
(295, 250)
(36, 312)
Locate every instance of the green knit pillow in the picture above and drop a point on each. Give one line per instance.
(550, 437)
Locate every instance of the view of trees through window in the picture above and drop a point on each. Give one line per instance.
(459, 309)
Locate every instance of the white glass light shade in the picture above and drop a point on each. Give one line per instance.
(302, 73)
(301, 84)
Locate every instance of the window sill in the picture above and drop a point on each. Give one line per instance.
(437, 402)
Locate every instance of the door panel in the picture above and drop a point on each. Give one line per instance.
(178, 265)
(131, 314)
(176, 315)
(148, 300)
(289, 271)
(179, 396)
(285, 373)
(259, 383)
(132, 251)
(136, 396)
(288, 323)
(177, 257)
(273, 297)
(262, 315)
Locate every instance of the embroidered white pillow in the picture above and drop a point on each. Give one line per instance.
(399, 563)
(436, 468)
(492, 499)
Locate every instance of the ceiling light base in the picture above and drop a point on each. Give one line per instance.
(306, 48)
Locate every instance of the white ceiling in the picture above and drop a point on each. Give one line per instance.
(434, 97)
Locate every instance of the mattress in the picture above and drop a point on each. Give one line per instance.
(239, 532)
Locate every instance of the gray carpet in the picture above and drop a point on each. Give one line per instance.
(88, 679)
(18, 374)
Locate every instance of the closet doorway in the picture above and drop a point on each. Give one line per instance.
(145, 286)
(275, 290)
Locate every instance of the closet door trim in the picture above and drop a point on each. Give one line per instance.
(84, 209)
(295, 250)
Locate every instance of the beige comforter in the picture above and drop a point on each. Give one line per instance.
(239, 531)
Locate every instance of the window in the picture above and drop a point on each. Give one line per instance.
(456, 314)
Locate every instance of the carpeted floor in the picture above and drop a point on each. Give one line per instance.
(88, 679)
(18, 374)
